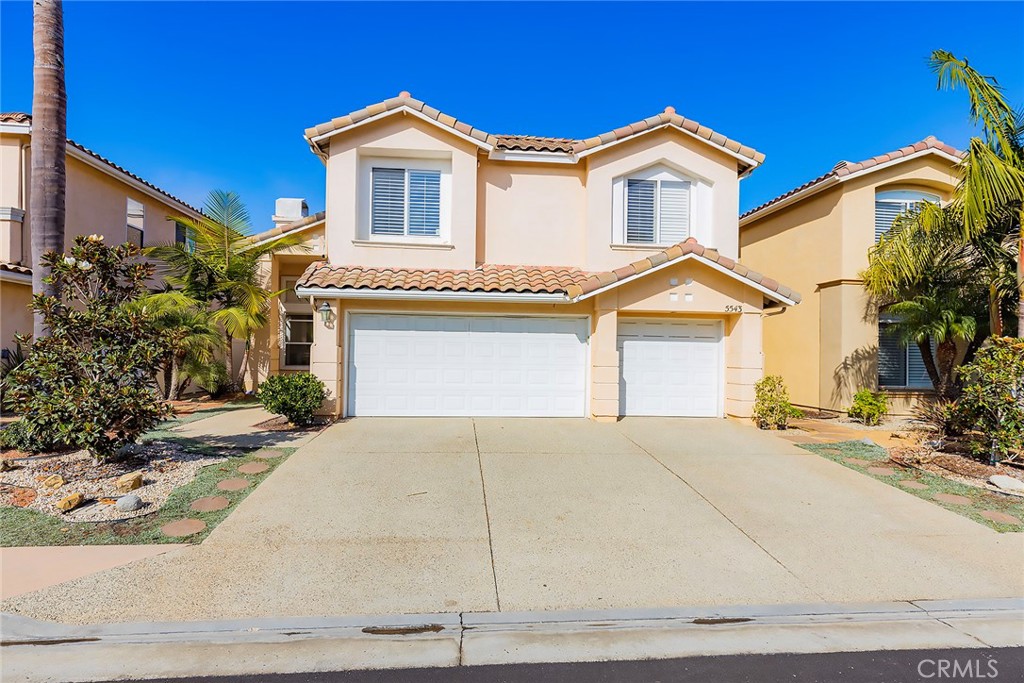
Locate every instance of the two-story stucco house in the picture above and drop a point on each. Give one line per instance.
(102, 198)
(457, 272)
(816, 237)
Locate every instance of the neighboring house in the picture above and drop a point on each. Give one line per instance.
(456, 272)
(102, 198)
(816, 237)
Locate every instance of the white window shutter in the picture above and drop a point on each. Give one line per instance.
(885, 213)
(387, 201)
(424, 203)
(640, 210)
(674, 211)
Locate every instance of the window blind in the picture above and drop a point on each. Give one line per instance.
(917, 373)
(885, 213)
(892, 357)
(640, 210)
(674, 212)
(424, 202)
(387, 201)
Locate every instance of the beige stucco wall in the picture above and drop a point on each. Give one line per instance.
(826, 348)
(712, 292)
(15, 315)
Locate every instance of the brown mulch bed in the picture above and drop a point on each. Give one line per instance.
(962, 467)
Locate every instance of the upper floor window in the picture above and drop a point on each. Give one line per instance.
(405, 201)
(889, 205)
(136, 214)
(655, 208)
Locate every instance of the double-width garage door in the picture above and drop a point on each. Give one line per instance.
(432, 365)
(670, 367)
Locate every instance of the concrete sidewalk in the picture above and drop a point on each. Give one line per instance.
(254, 647)
(237, 428)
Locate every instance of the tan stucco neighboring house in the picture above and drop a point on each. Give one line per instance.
(102, 198)
(816, 238)
(457, 272)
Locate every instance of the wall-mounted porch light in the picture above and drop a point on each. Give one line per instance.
(325, 312)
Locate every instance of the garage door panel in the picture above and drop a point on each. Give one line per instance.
(671, 368)
(469, 365)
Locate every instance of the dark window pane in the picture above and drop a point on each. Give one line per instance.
(892, 357)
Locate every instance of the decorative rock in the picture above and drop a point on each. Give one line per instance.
(1006, 483)
(232, 484)
(129, 482)
(210, 504)
(54, 481)
(267, 453)
(129, 503)
(911, 484)
(1000, 517)
(952, 499)
(183, 527)
(129, 450)
(253, 467)
(7, 465)
(70, 502)
(868, 442)
(882, 471)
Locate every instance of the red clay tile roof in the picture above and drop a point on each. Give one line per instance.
(572, 282)
(15, 268)
(845, 168)
(536, 143)
(21, 117)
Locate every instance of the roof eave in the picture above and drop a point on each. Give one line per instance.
(431, 295)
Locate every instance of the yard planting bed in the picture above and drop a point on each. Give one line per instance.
(950, 488)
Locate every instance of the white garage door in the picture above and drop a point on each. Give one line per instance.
(670, 368)
(466, 365)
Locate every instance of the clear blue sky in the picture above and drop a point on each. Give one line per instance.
(197, 95)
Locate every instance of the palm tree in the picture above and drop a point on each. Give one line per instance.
(49, 140)
(219, 266)
(941, 320)
(190, 336)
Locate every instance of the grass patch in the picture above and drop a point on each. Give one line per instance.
(25, 527)
(877, 456)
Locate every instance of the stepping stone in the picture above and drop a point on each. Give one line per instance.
(882, 471)
(253, 467)
(232, 484)
(267, 453)
(911, 484)
(183, 527)
(1000, 517)
(210, 504)
(952, 499)
(859, 461)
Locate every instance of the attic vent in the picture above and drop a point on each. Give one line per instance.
(841, 164)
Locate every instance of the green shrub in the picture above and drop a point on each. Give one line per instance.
(9, 364)
(20, 436)
(772, 409)
(296, 396)
(210, 377)
(869, 407)
(88, 383)
(993, 395)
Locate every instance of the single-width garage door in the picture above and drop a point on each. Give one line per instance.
(466, 365)
(670, 368)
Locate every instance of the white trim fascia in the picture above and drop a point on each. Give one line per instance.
(102, 166)
(317, 139)
(608, 145)
(16, 128)
(430, 295)
(290, 232)
(533, 157)
(834, 180)
(18, 278)
(12, 213)
(685, 257)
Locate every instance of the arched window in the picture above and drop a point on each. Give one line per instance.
(889, 205)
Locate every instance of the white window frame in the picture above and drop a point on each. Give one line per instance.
(699, 205)
(908, 349)
(285, 342)
(904, 199)
(366, 166)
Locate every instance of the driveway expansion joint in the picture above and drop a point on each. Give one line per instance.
(487, 515)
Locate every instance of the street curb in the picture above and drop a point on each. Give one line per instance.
(35, 651)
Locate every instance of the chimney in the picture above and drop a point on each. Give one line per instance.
(288, 210)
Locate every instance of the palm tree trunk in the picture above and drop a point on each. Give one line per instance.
(229, 361)
(173, 390)
(925, 347)
(945, 354)
(1020, 278)
(167, 376)
(49, 140)
(241, 368)
(995, 316)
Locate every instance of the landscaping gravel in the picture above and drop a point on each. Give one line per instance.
(165, 467)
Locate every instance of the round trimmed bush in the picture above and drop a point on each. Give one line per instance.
(295, 396)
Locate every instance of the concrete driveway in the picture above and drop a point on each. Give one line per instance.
(421, 515)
